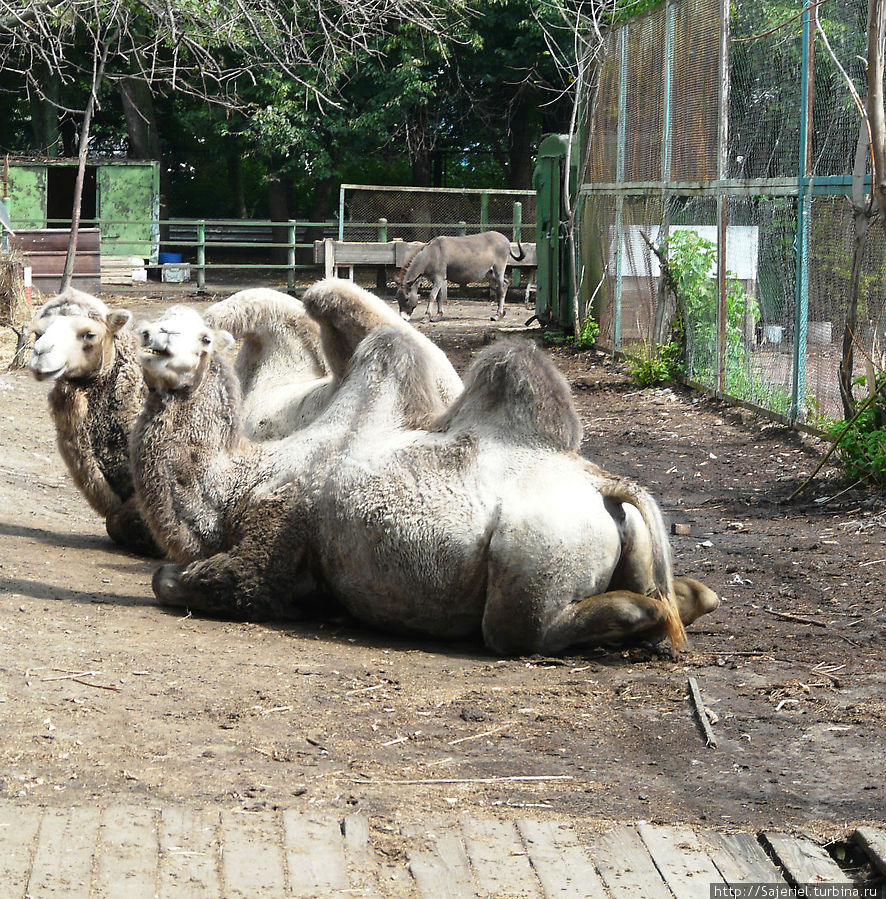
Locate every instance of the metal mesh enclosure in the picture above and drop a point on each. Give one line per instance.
(422, 213)
(692, 139)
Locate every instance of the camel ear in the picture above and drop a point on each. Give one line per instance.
(118, 319)
(224, 340)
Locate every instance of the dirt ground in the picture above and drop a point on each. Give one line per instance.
(104, 696)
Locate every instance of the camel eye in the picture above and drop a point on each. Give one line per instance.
(90, 335)
(206, 340)
(146, 336)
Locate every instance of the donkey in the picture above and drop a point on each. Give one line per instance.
(462, 260)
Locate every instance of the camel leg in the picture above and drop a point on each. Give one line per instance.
(694, 599)
(616, 617)
(265, 576)
(127, 529)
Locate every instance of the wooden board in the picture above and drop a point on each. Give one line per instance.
(499, 860)
(559, 861)
(739, 857)
(683, 863)
(626, 866)
(65, 849)
(438, 861)
(363, 865)
(129, 855)
(18, 836)
(315, 855)
(873, 841)
(252, 860)
(803, 860)
(190, 852)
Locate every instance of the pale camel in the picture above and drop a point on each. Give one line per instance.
(483, 520)
(294, 352)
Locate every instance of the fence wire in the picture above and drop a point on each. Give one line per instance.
(654, 161)
(423, 213)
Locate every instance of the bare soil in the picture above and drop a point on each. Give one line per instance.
(104, 696)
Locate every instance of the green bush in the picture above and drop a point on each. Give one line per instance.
(861, 446)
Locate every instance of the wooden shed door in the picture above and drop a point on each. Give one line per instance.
(128, 207)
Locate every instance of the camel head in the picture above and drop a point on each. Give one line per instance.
(177, 348)
(74, 336)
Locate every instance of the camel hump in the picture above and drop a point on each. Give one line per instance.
(514, 388)
(390, 367)
(256, 310)
(346, 314)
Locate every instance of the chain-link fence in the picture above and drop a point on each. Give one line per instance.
(731, 119)
(368, 212)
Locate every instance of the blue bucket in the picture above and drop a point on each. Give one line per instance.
(165, 258)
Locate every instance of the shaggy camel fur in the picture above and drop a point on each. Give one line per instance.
(294, 352)
(486, 520)
(194, 468)
(91, 354)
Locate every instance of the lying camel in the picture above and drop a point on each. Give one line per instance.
(479, 519)
(91, 354)
(293, 352)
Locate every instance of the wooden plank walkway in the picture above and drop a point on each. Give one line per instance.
(179, 853)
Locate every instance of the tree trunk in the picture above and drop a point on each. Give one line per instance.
(235, 177)
(520, 158)
(280, 208)
(144, 135)
(44, 117)
(874, 99)
(68, 273)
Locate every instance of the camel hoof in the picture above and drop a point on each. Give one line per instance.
(166, 585)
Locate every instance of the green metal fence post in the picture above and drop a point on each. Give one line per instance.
(518, 228)
(201, 255)
(722, 206)
(382, 230)
(290, 238)
(801, 242)
(619, 177)
(381, 274)
(462, 228)
(484, 211)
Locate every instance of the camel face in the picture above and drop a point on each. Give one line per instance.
(70, 346)
(177, 348)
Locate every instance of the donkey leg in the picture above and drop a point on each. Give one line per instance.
(441, 299)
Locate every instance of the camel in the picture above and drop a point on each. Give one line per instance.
(90, 353)
(462, 260)
(480, 518)
(294, 352)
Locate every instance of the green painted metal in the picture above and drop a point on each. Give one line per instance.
(553, 280)
(619, 201)
(125, 194)
(27, 195)
(201, 254)
(804, 204)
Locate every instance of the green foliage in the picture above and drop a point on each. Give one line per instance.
(690, 261)
(862, 448)
(586, 340)
(657, 364)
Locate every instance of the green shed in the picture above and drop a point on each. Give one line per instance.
(120, 196)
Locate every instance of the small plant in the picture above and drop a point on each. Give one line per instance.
(586, 340)
(861, 443)
(656, 364)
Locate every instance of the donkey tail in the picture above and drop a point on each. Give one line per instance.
(522, 252)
